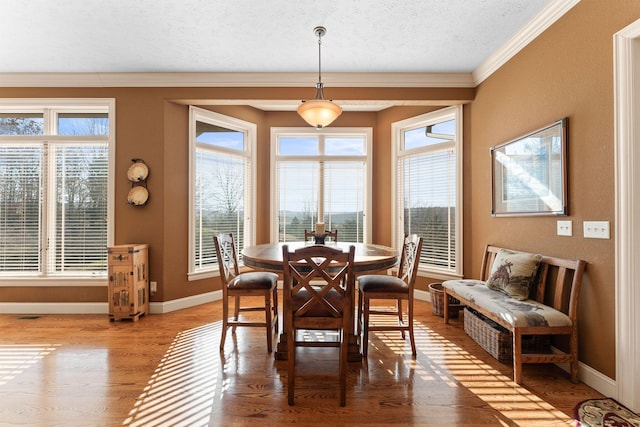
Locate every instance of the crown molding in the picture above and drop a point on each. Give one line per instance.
(543, 20)
(234, 79)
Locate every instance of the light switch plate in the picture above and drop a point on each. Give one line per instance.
(596, 229)
(565, 228)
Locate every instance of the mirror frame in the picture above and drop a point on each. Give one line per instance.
(529, 173)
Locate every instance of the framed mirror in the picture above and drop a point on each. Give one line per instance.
(529, 173)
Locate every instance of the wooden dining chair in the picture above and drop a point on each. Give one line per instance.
(247, 284)
(386, 287)
(308, 235)
(318, 293)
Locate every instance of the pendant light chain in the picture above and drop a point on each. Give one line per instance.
(320, 31)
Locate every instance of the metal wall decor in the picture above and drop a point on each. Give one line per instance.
(137, 175)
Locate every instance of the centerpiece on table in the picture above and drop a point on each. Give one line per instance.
(320, 234)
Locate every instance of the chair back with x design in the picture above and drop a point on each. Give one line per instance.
(227, 257)
(409, 261)
(318, 290)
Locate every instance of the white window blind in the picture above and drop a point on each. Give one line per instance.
(345, 189)
(20, 207)
(428, 183)
(82, 175)
(298, 185)
(219, 202)
(429, 205)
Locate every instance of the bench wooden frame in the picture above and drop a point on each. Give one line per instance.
(557, 285)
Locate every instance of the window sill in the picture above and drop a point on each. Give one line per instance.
(200, 275)
(437, 274)
(214, 272)
(53, 281)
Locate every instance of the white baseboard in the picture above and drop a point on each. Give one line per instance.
(597, 381)
(54, 308)
(179, 304)
(422, 295)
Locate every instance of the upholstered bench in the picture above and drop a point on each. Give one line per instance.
(527, 294)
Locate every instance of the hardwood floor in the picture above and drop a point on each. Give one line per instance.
(166, 370)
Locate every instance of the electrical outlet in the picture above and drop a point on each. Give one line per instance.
(153, 287)
(596, 229)
(565, 228)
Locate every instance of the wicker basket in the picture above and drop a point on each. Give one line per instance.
(497, 340)
(437, 301)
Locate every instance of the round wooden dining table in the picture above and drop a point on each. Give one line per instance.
(368, 259)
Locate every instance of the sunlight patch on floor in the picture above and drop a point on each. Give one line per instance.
(185, 383)
(15, 359)
(441, 360)
(191, 377)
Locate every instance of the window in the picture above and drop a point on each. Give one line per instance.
(321, 176)
(55, 191)
(428, 186)
(221, 186)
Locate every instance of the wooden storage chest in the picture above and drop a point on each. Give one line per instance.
(128, 281)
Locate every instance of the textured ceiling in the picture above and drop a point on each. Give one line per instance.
(364, 36)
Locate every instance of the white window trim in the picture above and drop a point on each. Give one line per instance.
(454, 112)
(201, 114)
(276, 132)
(68, 105)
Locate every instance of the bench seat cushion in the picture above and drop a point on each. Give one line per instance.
(512, 311)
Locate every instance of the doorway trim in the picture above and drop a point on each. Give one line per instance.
(627, 190)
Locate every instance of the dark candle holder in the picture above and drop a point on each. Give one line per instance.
(319, 238)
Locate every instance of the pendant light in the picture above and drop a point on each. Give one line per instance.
(319, 112)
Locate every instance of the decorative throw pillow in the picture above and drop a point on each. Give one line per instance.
(513, 273)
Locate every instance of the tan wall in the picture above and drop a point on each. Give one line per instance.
(565, 72)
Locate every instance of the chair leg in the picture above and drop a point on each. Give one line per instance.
(400, 320)
(365, 326)
(225, 319)
(275, 310)
(359, 313)
(410, 320)
(344, 349)
(291, 363)
(268, 322)
(236, 312)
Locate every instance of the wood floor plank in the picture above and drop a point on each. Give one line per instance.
(83, 370)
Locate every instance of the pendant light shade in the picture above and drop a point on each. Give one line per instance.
(319, 112)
